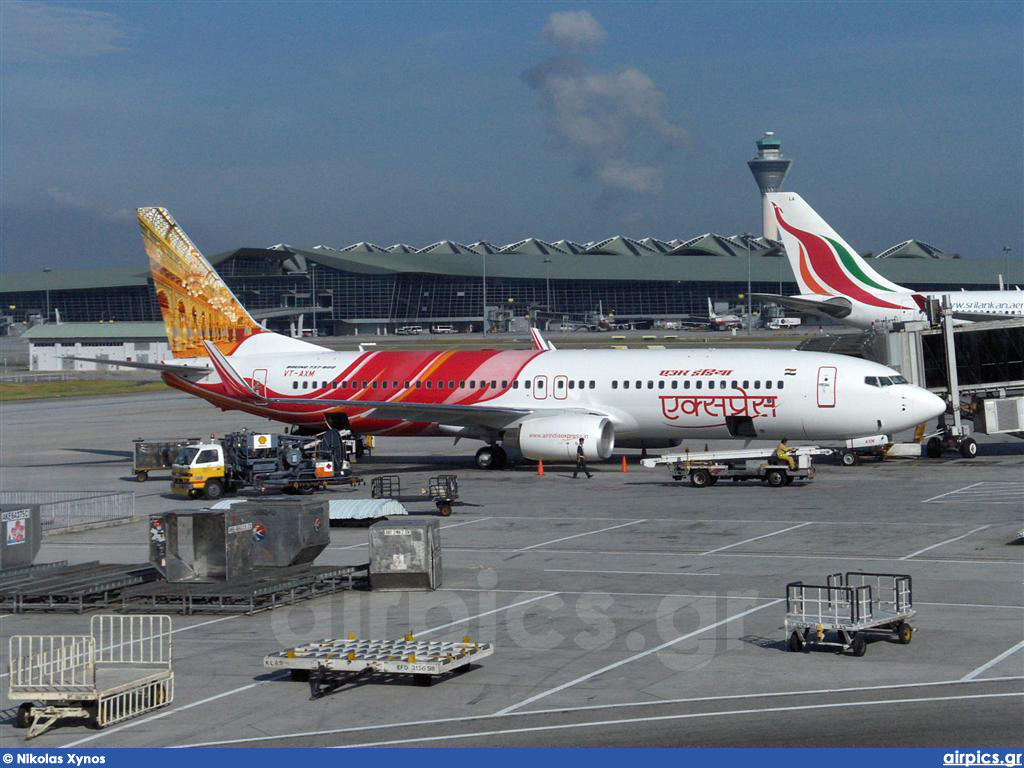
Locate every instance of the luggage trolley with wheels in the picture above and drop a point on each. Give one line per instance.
(326, 664)
(849, 605)
(703, 469)
(120, 670)
(443, 490)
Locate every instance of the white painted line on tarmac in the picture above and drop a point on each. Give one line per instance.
(947, 541)
(989, 664)
(275, 677)
(443, 527)
(175, 710)
(950, 493)
(634, 657)
(756, 538)
(578, 535)
(533, 712)
(688, 716)
(485, 613)
(639, 573)
(971, 605)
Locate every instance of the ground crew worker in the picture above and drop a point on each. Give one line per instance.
(581, 461)
(782, 453)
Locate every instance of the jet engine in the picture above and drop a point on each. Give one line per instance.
(554, 438)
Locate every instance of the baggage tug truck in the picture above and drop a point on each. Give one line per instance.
(265, 462)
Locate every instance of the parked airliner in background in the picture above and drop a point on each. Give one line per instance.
(722, 322)
(835, 280)
(540, 401)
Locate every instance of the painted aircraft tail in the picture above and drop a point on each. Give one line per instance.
(822, 262)
(197, 306)
(711, 310)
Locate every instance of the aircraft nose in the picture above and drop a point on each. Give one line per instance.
(925, 405)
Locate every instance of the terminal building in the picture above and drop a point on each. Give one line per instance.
(365, 288)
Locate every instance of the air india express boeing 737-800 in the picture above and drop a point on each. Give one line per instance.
(540, 401)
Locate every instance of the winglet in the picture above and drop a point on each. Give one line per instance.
(232, 380)
(539, 342)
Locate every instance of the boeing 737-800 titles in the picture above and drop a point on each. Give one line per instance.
(835, 280)
(540, 401)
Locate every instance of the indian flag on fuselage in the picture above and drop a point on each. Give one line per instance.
(824, 264)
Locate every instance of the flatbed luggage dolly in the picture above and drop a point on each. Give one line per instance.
(327, 664)
(120, 670)
(849, 605)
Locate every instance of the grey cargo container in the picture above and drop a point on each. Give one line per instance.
(405, 554)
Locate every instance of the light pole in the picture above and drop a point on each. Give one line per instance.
(750, 305)
(547, 280)
(1006, 257)
(484, 289)
(47, 271)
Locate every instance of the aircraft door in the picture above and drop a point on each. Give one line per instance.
(540, 387)
(259, 381)
(827, 386)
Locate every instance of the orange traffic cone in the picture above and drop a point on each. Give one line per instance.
(540, 467)
(625, 466)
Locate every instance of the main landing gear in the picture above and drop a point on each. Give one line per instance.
(491, 457)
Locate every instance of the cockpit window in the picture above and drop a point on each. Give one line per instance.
(871, 381)
(899, 380)
(885, 381)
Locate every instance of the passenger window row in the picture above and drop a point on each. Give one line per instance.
(699, 384)
(561, 384)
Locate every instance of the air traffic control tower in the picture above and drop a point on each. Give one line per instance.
(769, 169)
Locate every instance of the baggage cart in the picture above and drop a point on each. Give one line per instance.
(326, 664)
(120, 670)
(150, 455)
(848, 606)
(703, 469)
(443, 490)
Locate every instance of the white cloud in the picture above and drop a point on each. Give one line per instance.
(35, 32)
(613, 123)
(574, 28)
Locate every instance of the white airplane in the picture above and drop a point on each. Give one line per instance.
(541, 401)
(835, 280)
(722, 322)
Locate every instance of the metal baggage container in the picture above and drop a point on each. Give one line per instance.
(288, 531)
(208, 545)
(405, 554)
(21, 534)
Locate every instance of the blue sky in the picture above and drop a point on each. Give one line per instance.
(338, 122)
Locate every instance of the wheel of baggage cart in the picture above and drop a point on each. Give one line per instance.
(795, 643)
(849, 458)
(776, 478)
(24, 717)
(214, 489)
(968, 448)
(858, 645)
(904, 633)
(700, 478)
(142, 475)
(934, 447)
(445, 509)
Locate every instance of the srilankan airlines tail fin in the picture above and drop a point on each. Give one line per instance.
(197, 306)
(822, 262)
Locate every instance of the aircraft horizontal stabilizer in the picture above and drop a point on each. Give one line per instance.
(835, 306)
(178, 370)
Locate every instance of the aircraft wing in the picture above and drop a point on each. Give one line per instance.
(179, 370)
(836, 306)
(458, 415)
